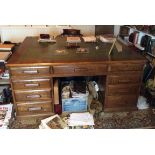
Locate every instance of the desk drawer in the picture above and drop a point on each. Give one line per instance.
(81, 69)
(23, 71)
(32, 95)
(31, 84)
(34, 108)
(121, 101)
(126, 67)
(125, 89)
(124, 79)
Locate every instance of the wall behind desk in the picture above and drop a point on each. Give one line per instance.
(17, 33)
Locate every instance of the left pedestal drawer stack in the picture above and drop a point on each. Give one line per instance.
(32, 90)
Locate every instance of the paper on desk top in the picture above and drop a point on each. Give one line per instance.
(6, 46)
(73, 39)
(89, 39)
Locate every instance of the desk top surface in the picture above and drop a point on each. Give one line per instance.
(33, 52)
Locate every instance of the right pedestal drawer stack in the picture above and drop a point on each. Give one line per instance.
(123, 86)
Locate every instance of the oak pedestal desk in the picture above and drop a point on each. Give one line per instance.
(34, 66)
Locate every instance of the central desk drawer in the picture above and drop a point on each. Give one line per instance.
(36, 70)
(124, 79)
(31, 84)
(81, 69)
(34, 108)
(126, 67)
(32, 95)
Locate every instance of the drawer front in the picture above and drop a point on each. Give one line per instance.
(125, 67)
(23, 71)
(124, 79)
(81, 69)
(34, 108)
(63, 69)
(121, 101)
(123, 89)
(32, 95)
(31, 84)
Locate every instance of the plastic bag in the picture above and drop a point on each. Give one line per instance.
(142, 103)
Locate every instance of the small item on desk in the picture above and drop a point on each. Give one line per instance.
(89, 39)
(97, 47)
(73, 40)
(61, 52)
(71, 32)
(72, 45)
(7, 42)
(46, 38)
(7, 47)
(82, 50)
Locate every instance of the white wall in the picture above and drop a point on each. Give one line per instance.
(17, 33)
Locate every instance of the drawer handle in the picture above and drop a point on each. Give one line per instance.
(33, 96)
(34, 108)
(31, 84)
(124, 81)
(31, 72)
(80, 69)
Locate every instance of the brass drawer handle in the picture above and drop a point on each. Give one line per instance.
(31, 84)
(33, 96)
(34, 108)
(30, 72)
(80, 69)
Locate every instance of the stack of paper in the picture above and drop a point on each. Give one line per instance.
(6, 46)
(81, 119)
(50, 40)
(73, 40)
(89, 39)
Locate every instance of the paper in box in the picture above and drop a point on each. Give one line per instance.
(76, 104)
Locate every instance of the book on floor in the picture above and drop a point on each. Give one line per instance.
(53, 122)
